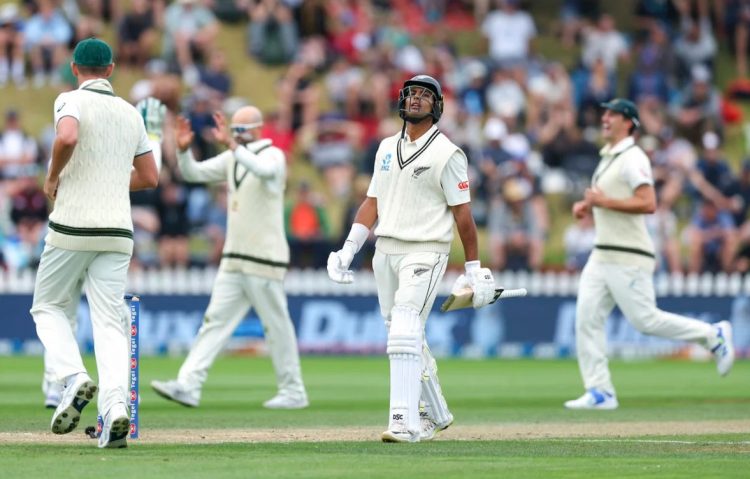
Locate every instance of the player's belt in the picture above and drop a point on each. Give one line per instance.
(625, 249)
(247, 257)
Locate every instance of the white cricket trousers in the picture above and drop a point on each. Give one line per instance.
(58, 283)
(410, 281)
(631, 288)
(232, 296)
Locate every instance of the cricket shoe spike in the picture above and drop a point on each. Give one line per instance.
(594, 399)
(115, 428)
(78, 392)
(174, 391)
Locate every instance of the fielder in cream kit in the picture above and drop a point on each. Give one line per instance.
(254, 260)
(419, 189)
(620, 268)
(101, 153)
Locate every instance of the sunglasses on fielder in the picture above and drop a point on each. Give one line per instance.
(239, 128)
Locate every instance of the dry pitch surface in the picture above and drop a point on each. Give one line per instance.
(493, 432)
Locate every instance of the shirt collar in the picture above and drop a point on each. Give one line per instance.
(619, 147)
(97, 84)
(422, 139)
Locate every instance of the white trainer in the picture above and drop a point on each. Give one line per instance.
(286, 401)
(174, 391)
(430, 428)
(724, 349)
(115, 428)
(53, 392)
(594, 399)
(397, 432)
(78, 392)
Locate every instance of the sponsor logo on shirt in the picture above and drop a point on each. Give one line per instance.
(463, 185)
(385, 165)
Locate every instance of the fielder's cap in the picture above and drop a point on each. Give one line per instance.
(624, 107)
(92, 52)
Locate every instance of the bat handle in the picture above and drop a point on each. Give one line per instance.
(509, 293)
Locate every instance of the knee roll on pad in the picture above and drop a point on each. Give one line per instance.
(405, 334)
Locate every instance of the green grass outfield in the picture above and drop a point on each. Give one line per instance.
(677, 419)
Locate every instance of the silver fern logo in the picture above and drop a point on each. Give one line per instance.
(418, 171)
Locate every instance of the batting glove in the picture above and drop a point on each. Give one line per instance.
(481, 282)
(153, 112)
(339, 261)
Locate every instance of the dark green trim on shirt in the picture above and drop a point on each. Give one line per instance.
(103, 92)
(624, 249)
(245, 257)
(74, 231)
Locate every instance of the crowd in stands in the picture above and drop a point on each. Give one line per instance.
(528, 122)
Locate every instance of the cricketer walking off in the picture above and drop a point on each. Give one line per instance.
(418, 190)
(620, 269)
(101, 152)
(254, 260)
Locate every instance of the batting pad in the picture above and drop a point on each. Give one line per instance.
(404, 352)
(432, 394)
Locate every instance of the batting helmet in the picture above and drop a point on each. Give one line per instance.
(424, 81)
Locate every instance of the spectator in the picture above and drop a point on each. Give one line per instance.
(515, 238)
(597, 88)
(574, 16)
(174, 227)
(12, 63)
(301, 96)
(578, 239)
(137, 33)
(714, 167)
(308, 229)
(28, 213)
(563, 145)
(504, 94)
(649, 13)
(712, 240)
(333, 144)
(697, 108)
(18, 151)
(737, 26)
(696, 44)
(604, 42)
(215, 76)
(509, 32)
(190, 31)
(47, 35)
(662, 227)
(216, 224)
(273, 37)
(740, 208)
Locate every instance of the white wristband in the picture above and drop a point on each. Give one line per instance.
(358, 235)
(470, 266)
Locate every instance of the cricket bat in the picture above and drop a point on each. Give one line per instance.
(463, 298)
